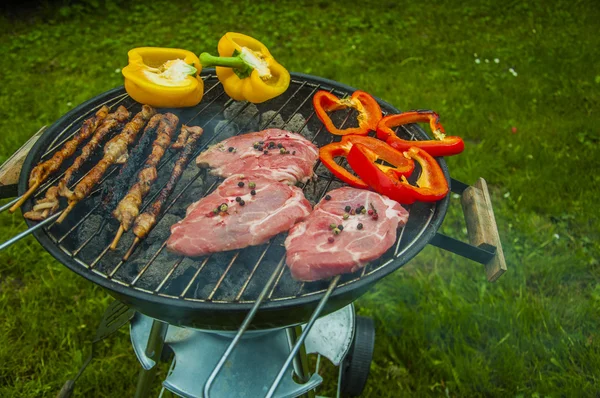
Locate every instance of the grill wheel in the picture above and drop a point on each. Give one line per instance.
(357, 364)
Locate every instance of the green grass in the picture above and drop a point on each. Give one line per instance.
(442, 330)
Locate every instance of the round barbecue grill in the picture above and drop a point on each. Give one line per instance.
(245, 289)
(217, 292)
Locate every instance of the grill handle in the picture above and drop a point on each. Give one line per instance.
(11, 169)
(484, 240)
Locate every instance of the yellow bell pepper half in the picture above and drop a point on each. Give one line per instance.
(247, 69)
(163, 77)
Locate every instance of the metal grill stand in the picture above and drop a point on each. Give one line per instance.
(250, 370)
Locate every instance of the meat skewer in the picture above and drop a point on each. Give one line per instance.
(128, 209)
(145, 222)
(115, 190)
(43, 170)
(115, 151)
(49, 204)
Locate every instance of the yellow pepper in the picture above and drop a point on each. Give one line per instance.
(247, 69)
(163, 77)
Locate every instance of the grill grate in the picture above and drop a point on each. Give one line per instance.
(222, 277)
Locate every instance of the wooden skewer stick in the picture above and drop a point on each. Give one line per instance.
(136, 241)
(66, 212)
(25, 196)
(115, 242)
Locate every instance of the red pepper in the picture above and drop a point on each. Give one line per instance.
(379, 150)
(432, 184)
(441, 146)
(369, 112)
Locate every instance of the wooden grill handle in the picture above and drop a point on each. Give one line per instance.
(11, 169)
(481, 226)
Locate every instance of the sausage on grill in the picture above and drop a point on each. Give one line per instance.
(41, 172)
(115, 189)
(146, 221)
(115, 151)
(128, 209)
(49, 204)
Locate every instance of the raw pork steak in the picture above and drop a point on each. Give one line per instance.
(261, 154)
(315, 252)
(249, 221)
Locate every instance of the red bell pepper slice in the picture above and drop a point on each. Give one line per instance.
(442, 146)
(379, 150)
(369, 112)
(432, 184)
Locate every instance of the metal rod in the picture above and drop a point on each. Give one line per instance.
(482, 255)
(23, 234)
(300, 341)
(9, 204)
(241, 331)
(300, 362)
(154, 348)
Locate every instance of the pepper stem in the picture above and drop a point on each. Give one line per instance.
(208, 60)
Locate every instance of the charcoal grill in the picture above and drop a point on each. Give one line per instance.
(250, 288)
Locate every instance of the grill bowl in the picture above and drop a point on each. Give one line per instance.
(216, 292)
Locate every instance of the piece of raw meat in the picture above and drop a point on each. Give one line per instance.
(315, 251)
(248, 221)
(273, 153)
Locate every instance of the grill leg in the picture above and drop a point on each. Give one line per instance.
(300, 362)
(154, 349)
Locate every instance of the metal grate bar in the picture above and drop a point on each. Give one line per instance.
(69, 232)
(88, 240)
(212, 293)
(247, 281)
(200, 268)
(173, 268)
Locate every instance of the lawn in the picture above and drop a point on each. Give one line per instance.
(519, 80)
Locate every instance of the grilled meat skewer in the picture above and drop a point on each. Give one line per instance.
(41, 172)
(115, 151)
(115, 190)
(49, 204)
(145, 222)
(128, 209)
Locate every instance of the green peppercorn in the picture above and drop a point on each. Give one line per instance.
(251, 185)
(363, 211)
(215, 211)
(223, 207)
(336, 231)
(282, 151)
(346, 216)
(332, 226)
